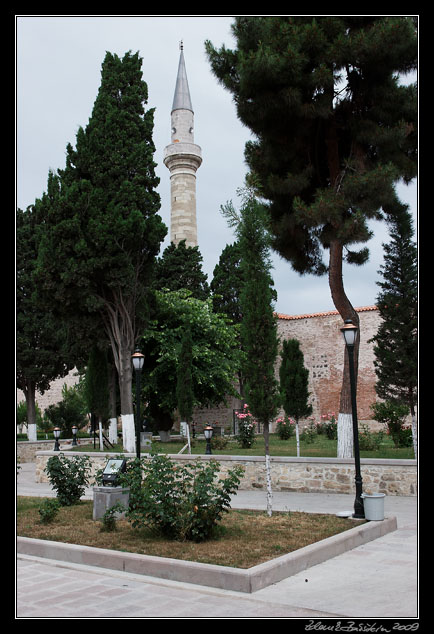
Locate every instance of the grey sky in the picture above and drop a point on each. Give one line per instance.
(58, 73)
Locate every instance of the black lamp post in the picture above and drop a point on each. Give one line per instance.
(74, 434)
(349, 332)
(138, 360)
(56, 432)
(208, 435)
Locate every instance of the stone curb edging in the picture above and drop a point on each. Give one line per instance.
(224, 577)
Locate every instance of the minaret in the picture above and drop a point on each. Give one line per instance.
(182, 157)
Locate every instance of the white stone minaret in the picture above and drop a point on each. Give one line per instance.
(182, 157)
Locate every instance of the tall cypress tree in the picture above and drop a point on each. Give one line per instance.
(334, 132)
(294, 379)
(181, 267)
(103, 232)
(395, 344)
(184, 384)
(259, 323)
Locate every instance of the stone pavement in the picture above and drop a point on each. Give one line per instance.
(378, 580)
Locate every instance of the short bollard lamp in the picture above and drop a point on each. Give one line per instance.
(349, 332)
(74, 434)
(208, 430)
(138, 360)
(56, 433)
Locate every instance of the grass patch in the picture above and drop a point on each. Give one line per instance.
(321, 447)
(242, 539)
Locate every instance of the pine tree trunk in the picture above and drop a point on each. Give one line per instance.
(297, 436)
(346, 311)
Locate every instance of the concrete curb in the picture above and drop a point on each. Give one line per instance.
(224, 577)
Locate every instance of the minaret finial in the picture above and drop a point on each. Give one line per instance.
(181, 46)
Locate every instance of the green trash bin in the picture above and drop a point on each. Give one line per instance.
(373, 503)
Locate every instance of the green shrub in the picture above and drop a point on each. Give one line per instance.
(369, 441)
(309, 433)
(393, 415)
(48, 510)
(68, 476)
(182, 502)
(108, 520)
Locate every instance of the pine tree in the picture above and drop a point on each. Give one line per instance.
(103, 232)
(395, 344)
(334, 132)
(294, 379)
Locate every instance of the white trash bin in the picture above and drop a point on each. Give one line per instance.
(373, 503)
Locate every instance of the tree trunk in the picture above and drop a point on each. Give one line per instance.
(113, 425)
(29, 393)
(268, 469)
(346, 311)
(119, 322)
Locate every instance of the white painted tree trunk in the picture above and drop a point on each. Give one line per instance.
(31, 432)
(414, 433)
(297, 436)
(345, 436)
(113, 431)
(128, 433)
(269, 490)
(101, 442)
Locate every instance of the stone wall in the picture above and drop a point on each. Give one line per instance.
(303, 475)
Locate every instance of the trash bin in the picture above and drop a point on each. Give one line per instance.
(373, 504)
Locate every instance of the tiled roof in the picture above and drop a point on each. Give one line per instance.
(361, 309)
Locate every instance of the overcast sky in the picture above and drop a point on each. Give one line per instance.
(58, 74)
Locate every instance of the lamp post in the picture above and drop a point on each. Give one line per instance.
(349, 332)
(74, 434)
(138, 360)
(208, 435)
(56, 432)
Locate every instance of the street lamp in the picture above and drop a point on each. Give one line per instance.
(74, 434)
(208, 435)
(56, 432)
(349, 332)
(138, 360)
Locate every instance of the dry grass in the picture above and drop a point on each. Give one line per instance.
(243, 538)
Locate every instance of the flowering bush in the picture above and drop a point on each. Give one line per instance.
(285, 427)
(177, 501)
(246, 428)
(328, 426)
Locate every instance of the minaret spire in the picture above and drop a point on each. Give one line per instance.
(182, 157)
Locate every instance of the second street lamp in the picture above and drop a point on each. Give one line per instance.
(349, 332)
(208, 431)
(138, 360)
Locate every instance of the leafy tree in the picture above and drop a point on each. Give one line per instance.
(214, 353)
(334, 132)
(40, 345)
(71, 410)
(395, 344)
(294, 379)
(103, 232)
(259, 325)
(181, 267)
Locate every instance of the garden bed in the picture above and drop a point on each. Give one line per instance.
(249, 550)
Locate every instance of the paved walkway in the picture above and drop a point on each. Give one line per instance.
(375, 581)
